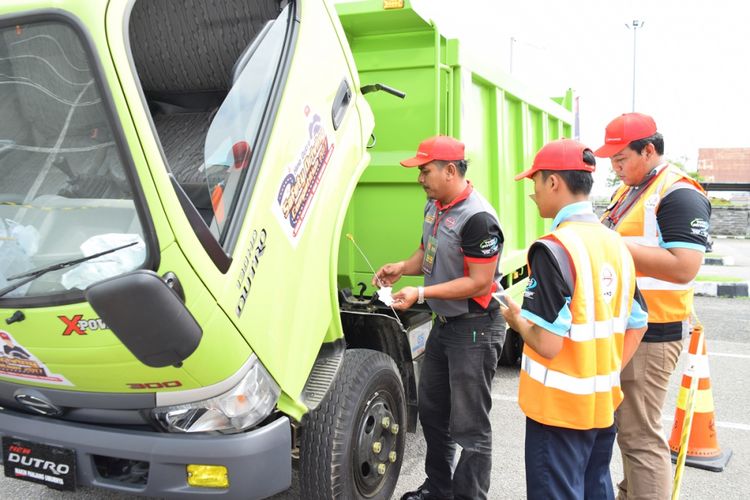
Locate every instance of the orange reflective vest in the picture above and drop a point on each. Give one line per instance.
(667, 302)
(580, 387)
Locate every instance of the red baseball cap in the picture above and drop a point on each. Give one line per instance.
(562, 154)
(4, 335)
(440, 147)
(623, 130)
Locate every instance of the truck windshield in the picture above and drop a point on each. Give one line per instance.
(63, 190)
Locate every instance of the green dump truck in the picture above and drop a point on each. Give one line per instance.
(183, 315)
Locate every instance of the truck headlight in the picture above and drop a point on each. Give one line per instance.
(243, 406)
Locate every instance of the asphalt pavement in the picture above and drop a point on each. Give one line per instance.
(727, 327)
(737, 251)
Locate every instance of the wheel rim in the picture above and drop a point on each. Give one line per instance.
(371, 461)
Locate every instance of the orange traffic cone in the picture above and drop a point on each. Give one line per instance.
(703, 449)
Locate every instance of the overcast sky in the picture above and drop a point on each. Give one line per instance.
(692, 69)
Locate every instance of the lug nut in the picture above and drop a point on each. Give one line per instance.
(394, 429)
(386, 422)
(377, 446)
(381, 469)
(392, 456)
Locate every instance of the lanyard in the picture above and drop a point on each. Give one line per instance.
(618, 213)
(438, 219)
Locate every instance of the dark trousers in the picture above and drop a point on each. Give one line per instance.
(454, 404)
(568, 463)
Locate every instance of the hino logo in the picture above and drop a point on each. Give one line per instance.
(38, 463)
(38, 404)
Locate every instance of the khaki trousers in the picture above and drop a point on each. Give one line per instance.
(646, 457)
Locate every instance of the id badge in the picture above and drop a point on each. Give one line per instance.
(429, 255)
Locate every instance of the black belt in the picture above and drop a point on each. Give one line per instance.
(447, 319)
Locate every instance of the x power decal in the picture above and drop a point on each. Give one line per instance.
(71, 325)
(81, 326)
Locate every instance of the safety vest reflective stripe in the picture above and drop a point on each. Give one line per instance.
(646, 283)
(584, 273)
(564, 382)
(626, 299)
(650, 224)
(597, 330)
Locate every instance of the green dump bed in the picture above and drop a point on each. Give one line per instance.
(449, 91)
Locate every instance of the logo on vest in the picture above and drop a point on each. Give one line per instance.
(607, 282)
(651, 202)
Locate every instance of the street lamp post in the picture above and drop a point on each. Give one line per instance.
(635, 24)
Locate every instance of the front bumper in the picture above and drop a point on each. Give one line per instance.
(259, 461)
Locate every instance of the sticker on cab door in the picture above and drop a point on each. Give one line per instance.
(18, 363)
(301, 180)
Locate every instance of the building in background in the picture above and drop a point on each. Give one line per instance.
(724, 164)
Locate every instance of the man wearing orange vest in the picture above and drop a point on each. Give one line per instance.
(581, 321)
(663, 216)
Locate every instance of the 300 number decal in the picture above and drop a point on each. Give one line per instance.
(156, 385)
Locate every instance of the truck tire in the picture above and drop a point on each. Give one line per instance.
(352, 444)
(512, 349)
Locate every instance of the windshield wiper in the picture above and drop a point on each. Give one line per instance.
(32, 275)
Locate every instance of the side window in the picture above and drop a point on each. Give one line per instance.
(228, 149)
(64, 192)
(207, 75)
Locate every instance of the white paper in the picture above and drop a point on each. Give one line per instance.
(385, 295)
(108, 265)
(17, 245)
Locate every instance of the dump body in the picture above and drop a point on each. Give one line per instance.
(448, 91)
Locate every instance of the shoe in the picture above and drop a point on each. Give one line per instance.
(423, 493)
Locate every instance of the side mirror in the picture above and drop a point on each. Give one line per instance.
(147, 316)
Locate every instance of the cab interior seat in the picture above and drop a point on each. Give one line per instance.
(184, 52)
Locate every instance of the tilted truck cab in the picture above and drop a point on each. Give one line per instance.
(177, 180)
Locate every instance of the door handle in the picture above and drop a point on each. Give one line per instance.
(341, 103)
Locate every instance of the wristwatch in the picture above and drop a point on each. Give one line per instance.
(420, 295)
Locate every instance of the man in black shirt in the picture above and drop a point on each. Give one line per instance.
(663, 215)
(458, 256)
(581, 321)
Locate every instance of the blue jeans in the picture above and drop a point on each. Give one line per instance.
(454, 404)
(568, 463)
